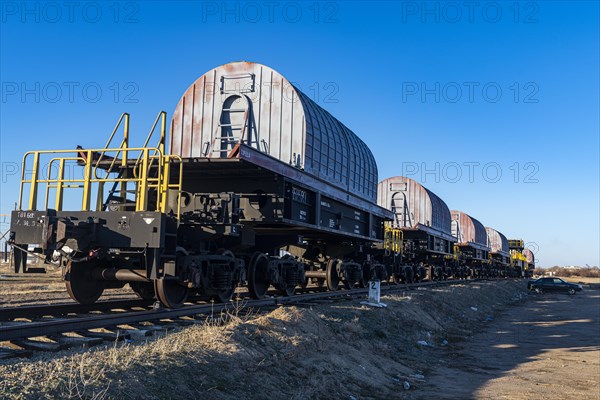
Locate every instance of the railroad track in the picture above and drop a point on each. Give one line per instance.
(123, 319)
(35, 311)
(50, 277)
(61, 309)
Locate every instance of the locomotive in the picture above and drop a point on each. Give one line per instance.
(260, 187)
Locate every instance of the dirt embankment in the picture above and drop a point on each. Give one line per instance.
(338, 350)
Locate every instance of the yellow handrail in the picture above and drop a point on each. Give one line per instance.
(59, 181)
(124, 144)
(393, 239)
(151, 172)
(144, 182)
(162, 116)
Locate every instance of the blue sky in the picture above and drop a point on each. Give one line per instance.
(446, 87)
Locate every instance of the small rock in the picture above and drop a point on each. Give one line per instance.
(353, 398)
(489, 318)
(474, 308)
(406, 385)
(423, 343)
(417, 376)
(444, 342)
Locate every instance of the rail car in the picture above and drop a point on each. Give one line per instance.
(471, 247)
(499, 252)
(424, 221)
(518, 258)
(530, 260)
(259, 187)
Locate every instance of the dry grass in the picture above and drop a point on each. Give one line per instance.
(91, 374)
(584, 272)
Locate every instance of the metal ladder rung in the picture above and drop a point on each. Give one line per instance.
(232, 125)
(65, 186)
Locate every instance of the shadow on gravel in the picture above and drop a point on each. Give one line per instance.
(540, 349)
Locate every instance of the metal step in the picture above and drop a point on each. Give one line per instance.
(233, 126)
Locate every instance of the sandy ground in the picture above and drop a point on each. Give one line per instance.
(547, 348)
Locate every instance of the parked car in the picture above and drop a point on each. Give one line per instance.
(542, 285)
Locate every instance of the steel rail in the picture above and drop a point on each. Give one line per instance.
(57, 309)
(79, 324)
(9, 313)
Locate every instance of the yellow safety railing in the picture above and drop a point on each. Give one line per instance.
(162, 116)
(153, 174)
(515, 243)
(150, 174)
(451, 257)
(517, 255)
(122, 147)
(392, 239)
(456, 253)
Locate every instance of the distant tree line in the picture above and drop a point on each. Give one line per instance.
(586, 272)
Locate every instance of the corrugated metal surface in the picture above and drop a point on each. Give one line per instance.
(467, 229)
(496, 241)
(529, 255)
(257, 105)
(413, 204)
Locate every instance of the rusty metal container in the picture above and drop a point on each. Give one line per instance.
(413, 205)
(497, 242)
(253, 104)
(529, 256)
(467, 229)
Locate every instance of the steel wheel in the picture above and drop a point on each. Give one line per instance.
(287, 290)
(80, 285)
(539, 290)
(349, 285)
(304, 283)
(144, 290)
(366, 276)
(333, 279)
(170, 292)
(223, 296)
(571, 291)
(258, 269)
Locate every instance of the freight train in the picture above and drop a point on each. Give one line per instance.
(260, 187)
